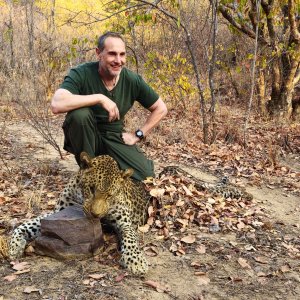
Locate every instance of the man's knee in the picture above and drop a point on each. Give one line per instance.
(80, 116)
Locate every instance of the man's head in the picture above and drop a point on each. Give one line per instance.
(111, 52)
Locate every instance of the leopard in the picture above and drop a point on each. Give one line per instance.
(106, 192)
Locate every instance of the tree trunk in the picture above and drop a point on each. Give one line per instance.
(283, 86)
(11, 34)
(261, 91)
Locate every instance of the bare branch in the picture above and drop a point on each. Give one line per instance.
(163, 11)
(267, 7)
(241, 27)
(104, 18)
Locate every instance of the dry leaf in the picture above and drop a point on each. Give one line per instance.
(159, 287)
(86, 282)
(151, 251)
(187, 191)
(189, 239)
(157, 193)
(285, 268)
(199, 273)
(243, 263)
(97, 276)
(20, 266)
(214, 221)
(203, 279)
(144, 228)
(261, 260)
(30, 289)
(183, 222)
(150, 211)
(22, 271)
(173, 248)
(180, 203)
(201, 249)
(196, 264)
(10, 278)
(2, 200)
(240, 225)
(150, 221)
(121, 277)
(29, 250)
(166, 232)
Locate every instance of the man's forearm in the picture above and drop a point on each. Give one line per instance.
(158, 112)
(64, 101)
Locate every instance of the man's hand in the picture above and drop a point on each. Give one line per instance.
(129, 138)
(111, 108)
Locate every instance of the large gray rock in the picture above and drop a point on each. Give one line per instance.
(68, 234)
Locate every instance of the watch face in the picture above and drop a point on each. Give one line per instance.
(139, 134)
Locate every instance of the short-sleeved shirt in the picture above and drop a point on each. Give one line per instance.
(85, 80)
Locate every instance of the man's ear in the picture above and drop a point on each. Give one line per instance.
(85, 160)
(127, 173)
(98, 53)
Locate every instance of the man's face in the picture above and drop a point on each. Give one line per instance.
(113, 57)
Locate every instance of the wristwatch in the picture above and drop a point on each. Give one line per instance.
(139, 133)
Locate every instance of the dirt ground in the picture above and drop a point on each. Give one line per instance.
(263, 263)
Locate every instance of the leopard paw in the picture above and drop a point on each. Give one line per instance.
(16, 247)
(136, 263)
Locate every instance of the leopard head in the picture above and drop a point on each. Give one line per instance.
(101, 179)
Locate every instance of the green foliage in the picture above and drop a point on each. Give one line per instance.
(170, 76)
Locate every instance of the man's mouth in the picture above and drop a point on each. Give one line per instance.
(117, 67)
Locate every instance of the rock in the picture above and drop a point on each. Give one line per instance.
(68, 234)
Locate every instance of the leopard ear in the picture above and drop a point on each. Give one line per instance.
(85, 160)
(127, 173)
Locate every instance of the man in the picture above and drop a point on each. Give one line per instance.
(97, 96)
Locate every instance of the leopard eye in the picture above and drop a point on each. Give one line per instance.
(92, 189)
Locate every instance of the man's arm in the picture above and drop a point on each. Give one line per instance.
(158, 111)
(64, 101)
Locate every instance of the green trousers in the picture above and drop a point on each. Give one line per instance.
(82, 133)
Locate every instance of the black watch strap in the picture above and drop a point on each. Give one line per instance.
(139, 133)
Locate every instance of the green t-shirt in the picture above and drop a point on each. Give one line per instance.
(85, 80)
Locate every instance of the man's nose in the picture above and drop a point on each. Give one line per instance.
(118, 58)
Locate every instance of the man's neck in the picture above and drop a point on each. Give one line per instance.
(108, 80)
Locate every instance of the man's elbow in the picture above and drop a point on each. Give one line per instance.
(57, 101)
(54, 107)
(164, 110)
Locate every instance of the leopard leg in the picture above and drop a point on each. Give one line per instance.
(22, 234)
(132, 256)
(31, 229)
